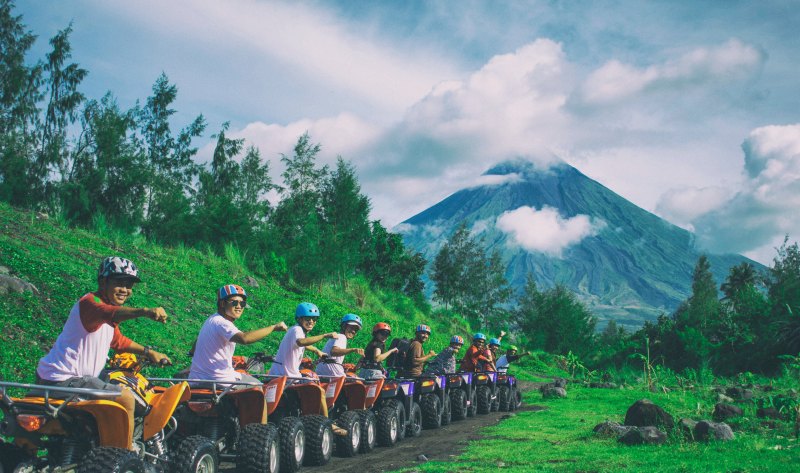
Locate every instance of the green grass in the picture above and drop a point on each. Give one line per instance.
(560, 439)
(62, 263)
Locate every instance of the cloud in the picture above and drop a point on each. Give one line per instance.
(545, 230)
(765, 209)
(616, 81)
(681, 206)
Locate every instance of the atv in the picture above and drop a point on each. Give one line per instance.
(431, 394)
(397, 411)
(485, 385)
(508, 396)
(63, 429)
(463, 397)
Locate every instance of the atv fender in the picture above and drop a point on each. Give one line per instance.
(273, 391)
(251, 405)
(356, 395)
(112, 421)
(164, 405)
(312, 398)
(332, 390)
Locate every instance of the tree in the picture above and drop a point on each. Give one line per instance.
(739, 277)
(390, 265)
(783, 287)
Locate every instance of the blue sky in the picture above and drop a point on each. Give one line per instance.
(689, 109)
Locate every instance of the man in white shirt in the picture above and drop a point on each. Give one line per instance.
(296, 341)
(213, 352)
(336, 348)
(510, 357)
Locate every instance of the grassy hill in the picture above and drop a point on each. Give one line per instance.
(62, 263)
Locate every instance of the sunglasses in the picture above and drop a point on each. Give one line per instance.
(383, 332)
(126, 283)
(236, 303)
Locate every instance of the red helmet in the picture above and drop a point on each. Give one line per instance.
(381, 326)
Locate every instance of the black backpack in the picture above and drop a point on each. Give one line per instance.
(401, 359)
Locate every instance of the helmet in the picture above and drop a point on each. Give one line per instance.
(306, 309)
(457, 339)
(381, 326)
(116, 267)
(513, 348)
(479, 336)
(230, 290)
(351, 319)
(423, 328)
(494, 341)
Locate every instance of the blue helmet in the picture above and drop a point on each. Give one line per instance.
(479, 336)
(306, 309)
(423, 328)
(494, 341)
(351, 319)
(230, 290)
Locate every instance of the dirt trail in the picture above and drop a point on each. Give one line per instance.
(440, 444)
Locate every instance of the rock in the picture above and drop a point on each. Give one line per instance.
(687, 426)
(422, 458)
(610, 429)
(723, 398)
(718, 389)
(643, 435)
(644, 413)
(725, 411)
(705, 430)
(560, 383)
(769, 413)
(4, 270)
(767, 388)
(250, 281)
(13, 284)
(603, 385)
(738, 392)
(554, 392)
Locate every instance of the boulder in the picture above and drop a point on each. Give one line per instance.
(687, 426)
(723, 398)
(560, 383)
(554, 392)
(706, 430)
(609, 429)
(724, 411)
(603, 385)
(644, 413)
(13, 284)
(769, 413)
(250, 281)
(643, 435)
(739, 393)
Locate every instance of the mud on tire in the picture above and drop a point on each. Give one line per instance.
(458, 403)
(258, 449)
(110, 460)
(369, 430)
(319, 440)
(484, 399)
(431, 411)
(292, 441)
(348, 445)
(195, 454)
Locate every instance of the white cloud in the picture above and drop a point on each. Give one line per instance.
(545, 230)
(615, 80)
(681, 206)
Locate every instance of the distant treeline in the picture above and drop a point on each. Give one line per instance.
(93, 164)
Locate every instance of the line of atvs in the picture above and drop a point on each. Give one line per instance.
(279, 425)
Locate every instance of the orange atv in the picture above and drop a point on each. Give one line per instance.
(234, 416)
(62, 429)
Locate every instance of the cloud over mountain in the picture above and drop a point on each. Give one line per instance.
(545, 230)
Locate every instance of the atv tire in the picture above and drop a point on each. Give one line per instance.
(484, 399)
(414, 428)
(195, 454)
(504, 398)
(472, 409)
(258, 449)
(401, 417)
(292, 441)
(319, 440)
(447, 410)
(10, 456)
(111, 460)
(495, 403)
(369, 430)
(347, 445)
(458, 404)
(388, 426)
(431, 411)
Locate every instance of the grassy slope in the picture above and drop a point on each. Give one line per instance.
(560, 439)
(61, 262)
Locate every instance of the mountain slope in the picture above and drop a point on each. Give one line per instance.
(634, 267)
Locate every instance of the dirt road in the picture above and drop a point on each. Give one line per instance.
(440, 444)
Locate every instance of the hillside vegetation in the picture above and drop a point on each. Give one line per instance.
(62, 262)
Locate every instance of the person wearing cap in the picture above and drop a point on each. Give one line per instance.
(510, 357)
(375, 352)
(416, 353)
(296, 341)
(445, 361)
(476, 354)
(92, 328)
(218, 337)
(336, 348)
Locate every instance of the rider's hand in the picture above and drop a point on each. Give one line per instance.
(359, 351)
(432, 353)
(395, 350)
(158, 314)
(502, 334)
(331, 335)
(280, 327)
(159, 358)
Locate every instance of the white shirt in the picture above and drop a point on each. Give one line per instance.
(214, 351)
(290, 354)
(333, 369)
(502, 364)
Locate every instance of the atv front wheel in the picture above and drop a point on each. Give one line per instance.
(369, 430)
(388, 426)
(111, 460)
(347, 445)
(504, 398)
(414, 427)
(258, 450)
(484, 399)
(195, 454)
(431, 411)
(319, 440)
(447, 410)
(472, 409)
(292, 440)
(458, 403)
